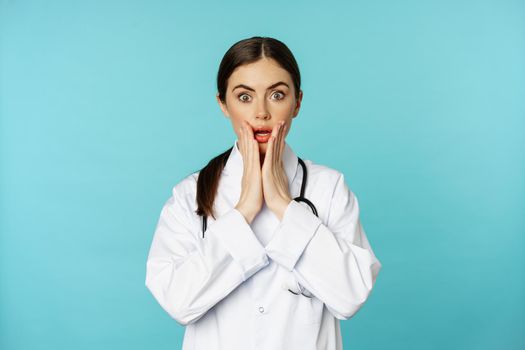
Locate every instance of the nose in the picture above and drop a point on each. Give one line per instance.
(263, 116)
(262, 111)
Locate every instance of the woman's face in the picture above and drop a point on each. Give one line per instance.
(261, 93)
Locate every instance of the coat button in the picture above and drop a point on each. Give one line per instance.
(261, 309)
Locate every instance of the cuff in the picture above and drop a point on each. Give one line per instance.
(292, 235)
(235, 234)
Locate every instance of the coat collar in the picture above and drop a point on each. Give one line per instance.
(234, 165)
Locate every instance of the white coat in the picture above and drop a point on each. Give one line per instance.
(230, 288)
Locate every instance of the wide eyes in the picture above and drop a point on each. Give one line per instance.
(244, 97)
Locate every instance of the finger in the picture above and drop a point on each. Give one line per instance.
(253, 143)
(277, 157)
(282, 172)
(278, 144)
(280, 162)
(275, 142)
(239, 143)
(268, 158)
(249, 136)
(243, 142)
(249, 130)
(281, 153)
(256, 155)
(281, 140)
(249, 150)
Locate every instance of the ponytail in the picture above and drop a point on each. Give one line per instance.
(208, 182)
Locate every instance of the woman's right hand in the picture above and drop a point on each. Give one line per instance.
(251, 198)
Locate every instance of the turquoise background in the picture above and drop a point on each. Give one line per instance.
(104, 106)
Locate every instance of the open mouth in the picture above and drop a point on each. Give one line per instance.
(262, 135)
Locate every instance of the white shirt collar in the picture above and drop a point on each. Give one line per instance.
(234, 165)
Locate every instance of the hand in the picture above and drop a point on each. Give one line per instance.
(274, 179)
(251, 198)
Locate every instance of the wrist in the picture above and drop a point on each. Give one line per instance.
(280, 207)
(248, 216)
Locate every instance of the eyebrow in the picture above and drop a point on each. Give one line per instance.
(269, 87)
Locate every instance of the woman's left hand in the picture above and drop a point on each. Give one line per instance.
(274, 179)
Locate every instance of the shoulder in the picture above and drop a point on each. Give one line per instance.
(328, 182)
(185, 190)
(187, 185)
(322, 185)
(322, 174)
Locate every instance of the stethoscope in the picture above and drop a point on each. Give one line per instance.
(300, 198)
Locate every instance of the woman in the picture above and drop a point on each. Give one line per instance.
(234, 258)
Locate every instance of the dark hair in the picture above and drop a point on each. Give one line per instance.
(242, 52)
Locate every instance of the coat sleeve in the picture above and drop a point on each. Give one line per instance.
(333, 261)
(188, 277)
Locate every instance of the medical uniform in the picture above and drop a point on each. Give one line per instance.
(267, 285)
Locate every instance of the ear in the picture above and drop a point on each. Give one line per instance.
(223, 106)
(298, 104)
